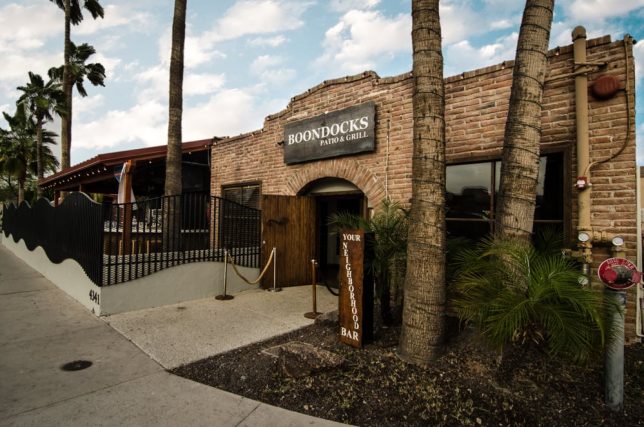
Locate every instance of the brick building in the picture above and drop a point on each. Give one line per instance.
(255, 167)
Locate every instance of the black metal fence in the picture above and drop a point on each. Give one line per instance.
(116, 243)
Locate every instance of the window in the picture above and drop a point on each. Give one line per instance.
(471, 196)
(247, 195)
(239, 225)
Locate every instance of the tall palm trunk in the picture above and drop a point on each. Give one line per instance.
(424, 303)
(173, 158)
(21, 187)
(66, 122)
(520, 166)
(39, 162)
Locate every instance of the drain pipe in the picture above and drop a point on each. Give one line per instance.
(584, 229)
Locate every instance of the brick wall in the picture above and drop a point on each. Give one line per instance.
(476, 111)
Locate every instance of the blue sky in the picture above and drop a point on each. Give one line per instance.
(246, 58)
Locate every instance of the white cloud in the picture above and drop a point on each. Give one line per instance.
(268, 69)
(268, 41)
(202, 84)
(600, 10)
(261, 63)
(155, 80)
(462, 56)
(638, 53)
(197, 50)
(347, 5)
(86, 106)
(16, 65)
(145, 122)
(362, 38)
(228, 112)
(27, 27)
(640, 147)
(247, 17)
(115, 16)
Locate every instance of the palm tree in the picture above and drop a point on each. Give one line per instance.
(173, 179)
(515, 293)
(424, 304)
(389, 226)
(73, 16)
(41, 100)
(520, 165)
(18, 149)
(94, 72)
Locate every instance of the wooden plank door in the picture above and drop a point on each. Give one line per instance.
(288, 224)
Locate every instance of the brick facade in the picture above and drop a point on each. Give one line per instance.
(476, 110)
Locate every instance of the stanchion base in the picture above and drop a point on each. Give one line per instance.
(274, 289)
(312, 315)
(224, 297)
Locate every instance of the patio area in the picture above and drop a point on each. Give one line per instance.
(177, 334)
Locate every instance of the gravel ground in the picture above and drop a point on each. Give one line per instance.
(468, 385)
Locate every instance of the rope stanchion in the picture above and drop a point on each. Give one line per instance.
(274, 288)
(315, 313)
(227, 257)
(225, 296)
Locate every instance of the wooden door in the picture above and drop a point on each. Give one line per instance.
(288, 224)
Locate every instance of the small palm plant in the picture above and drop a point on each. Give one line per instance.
(389, 227)
(514, 293)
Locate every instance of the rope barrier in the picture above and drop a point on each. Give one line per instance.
(261, 275)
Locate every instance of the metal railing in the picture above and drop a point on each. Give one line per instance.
(116, 243)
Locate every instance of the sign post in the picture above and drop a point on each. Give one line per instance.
(356, 299)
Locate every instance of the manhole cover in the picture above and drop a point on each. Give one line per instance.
(76, 365)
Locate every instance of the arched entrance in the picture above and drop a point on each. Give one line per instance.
(332, 196)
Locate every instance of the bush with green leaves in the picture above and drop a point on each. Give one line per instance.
(516, 294)
(389, 226)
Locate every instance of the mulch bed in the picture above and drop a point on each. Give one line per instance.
(469, 385)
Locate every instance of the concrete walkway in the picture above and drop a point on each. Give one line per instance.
(42, 329)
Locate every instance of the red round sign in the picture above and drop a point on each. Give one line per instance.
(619, 273)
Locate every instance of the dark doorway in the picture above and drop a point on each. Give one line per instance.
(332, 195)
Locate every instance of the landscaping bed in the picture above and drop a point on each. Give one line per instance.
(468, 385)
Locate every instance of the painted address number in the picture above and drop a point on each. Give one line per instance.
(95, 297)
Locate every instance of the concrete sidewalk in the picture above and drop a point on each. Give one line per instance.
(42, 329)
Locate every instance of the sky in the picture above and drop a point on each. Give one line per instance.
(245, 59)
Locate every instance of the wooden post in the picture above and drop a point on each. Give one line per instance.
(127, 215)
(56, 197)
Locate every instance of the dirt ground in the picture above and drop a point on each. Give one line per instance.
(468, 385)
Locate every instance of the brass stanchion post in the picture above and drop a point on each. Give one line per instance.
(274, 288)
(313, 314)
(224, 296)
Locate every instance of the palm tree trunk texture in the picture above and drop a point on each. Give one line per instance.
(21, 188)
(424, 304)
(520, 166)
(39, 162)
(66, 120)
(173, 157)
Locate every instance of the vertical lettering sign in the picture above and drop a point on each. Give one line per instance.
(351, 286)
(338, 133)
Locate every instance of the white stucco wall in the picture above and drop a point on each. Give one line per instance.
(168, 286)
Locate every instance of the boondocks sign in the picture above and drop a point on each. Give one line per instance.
(333, 134)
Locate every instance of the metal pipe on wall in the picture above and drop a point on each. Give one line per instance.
(583, 149)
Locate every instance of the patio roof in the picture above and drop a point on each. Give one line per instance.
(101, 167)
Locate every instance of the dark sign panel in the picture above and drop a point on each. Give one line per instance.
(338, 133)
(351, 286)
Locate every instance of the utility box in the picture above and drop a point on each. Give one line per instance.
(356, 287)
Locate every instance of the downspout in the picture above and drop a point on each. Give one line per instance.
(584, 244)
(639, 294)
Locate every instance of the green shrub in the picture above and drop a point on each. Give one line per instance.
(515, 294)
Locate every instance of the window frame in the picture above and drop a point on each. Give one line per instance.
(566, 219)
